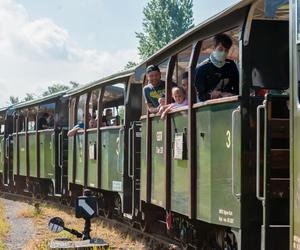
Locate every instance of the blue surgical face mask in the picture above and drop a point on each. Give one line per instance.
(220, 55)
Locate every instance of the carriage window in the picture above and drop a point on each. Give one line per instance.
(266, 47)
(31, 119)
(71, 114)
(46, 116)
(93, 109)
(207, 47)
(21, 120)
(2, 129)
(81, 108)
(180, 74)
(2, 122)
(113, 105)
(163, 69)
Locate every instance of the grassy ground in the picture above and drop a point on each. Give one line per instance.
(40, 217)
(4, 225)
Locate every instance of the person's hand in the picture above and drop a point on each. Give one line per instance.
(161, 109)
(163, 116)
(226, 94)
(215, 94)
(162, 101)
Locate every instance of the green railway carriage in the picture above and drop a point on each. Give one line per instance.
(100, 155)
(220, 168)
(219, 174)
(39, 166)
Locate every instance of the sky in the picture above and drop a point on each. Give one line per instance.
(58, 41)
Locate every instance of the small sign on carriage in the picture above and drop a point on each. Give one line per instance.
(92, 151)
(179, 146)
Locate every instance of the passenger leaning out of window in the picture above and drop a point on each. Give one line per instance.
(217, 76)
(178, 94)
(154, 91)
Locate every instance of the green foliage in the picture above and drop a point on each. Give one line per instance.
(54, 89)
(13, 99)
(74, 84)
(130, 65)
(28, 97)
(163, 22)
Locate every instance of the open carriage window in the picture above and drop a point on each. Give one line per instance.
(46, 116)
(2, 123)
(31, 119)
(113, 105)
(266, 56)
(20, 116)
(93, 108)
(71, 113)
(81, 110)
(180, 74)
(208, 46)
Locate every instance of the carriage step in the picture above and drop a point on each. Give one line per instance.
(280, 158)
(280, 128)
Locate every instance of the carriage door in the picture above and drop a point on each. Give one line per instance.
(295, 107)
(134, 170)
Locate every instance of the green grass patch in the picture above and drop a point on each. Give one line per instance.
(4, 226)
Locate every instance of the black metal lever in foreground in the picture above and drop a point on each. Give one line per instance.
(56, 225)
(86, 208)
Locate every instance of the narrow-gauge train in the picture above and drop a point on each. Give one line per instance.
(220, 174)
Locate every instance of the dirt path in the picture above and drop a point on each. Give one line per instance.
(21, 229)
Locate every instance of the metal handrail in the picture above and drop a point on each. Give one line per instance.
(233, 115)
(53, 148)
(120, 168)
(59, 149)
(259, 108)
(6, 147)
(129, 151)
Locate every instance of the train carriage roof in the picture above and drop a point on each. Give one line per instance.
(120, 77)
(226, 18)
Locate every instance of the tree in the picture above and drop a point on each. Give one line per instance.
(130, 65)
(28, 97)
(163, 22)
(74, 84)
(13, 99)
(55, 88)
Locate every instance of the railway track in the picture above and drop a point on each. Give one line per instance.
(153, 241)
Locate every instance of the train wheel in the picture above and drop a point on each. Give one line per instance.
(108, 212)
(118, 205)
(145, 223)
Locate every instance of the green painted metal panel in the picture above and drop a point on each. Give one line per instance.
(158, 189)
(179, 167)
(92, 162)
(32, 155)
(2, 152)
(15, 164)
(22, 153)
(143, 180)
(216, 140)
(70, 158)
(203, 164)
(47, 157)
(79, 178)
(111, 177)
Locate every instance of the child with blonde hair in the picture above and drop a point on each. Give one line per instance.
(180, 99)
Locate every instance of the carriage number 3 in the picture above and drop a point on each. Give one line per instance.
(228, 141)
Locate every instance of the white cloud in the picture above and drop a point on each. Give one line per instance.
(37, 53)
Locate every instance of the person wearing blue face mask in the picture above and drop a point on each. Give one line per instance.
(217, 76)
